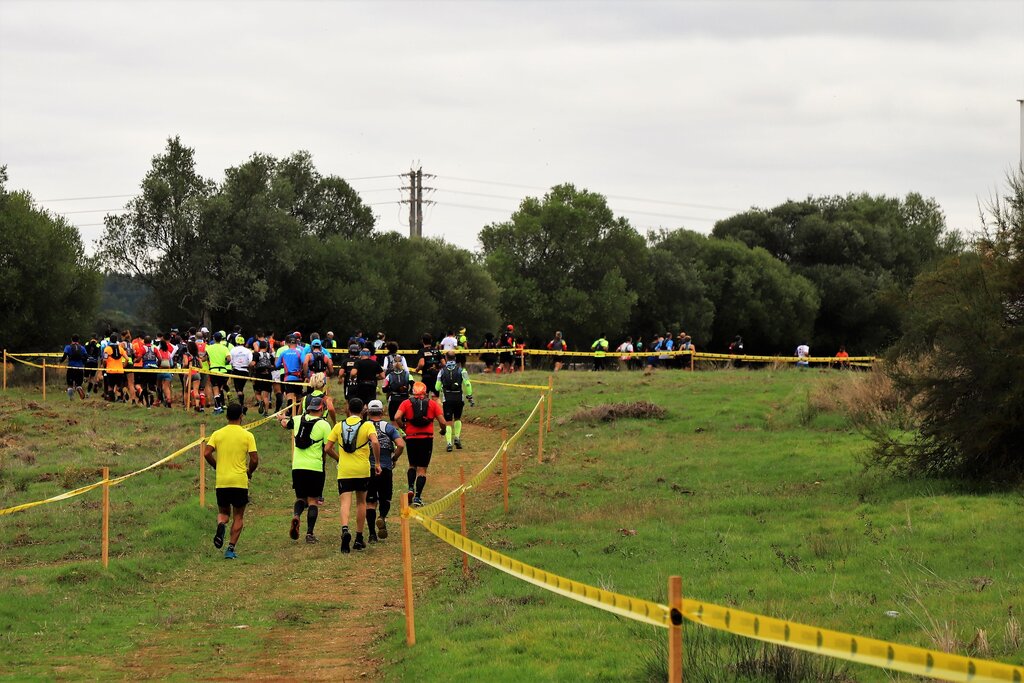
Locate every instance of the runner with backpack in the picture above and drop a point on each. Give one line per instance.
(454, 385)
(76, 356)
(357, 438)
(261, 368)
(92, 366)
(149, 361)
(397, 385)
(309, 431)
(318, 389)
(317, 360)
(429, 362)
(416, 417)
(558, 346)
(240, 357)
(378, 497)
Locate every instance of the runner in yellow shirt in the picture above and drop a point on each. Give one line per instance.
(357, 437)
(235, 461)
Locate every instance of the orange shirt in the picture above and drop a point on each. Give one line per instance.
(114, 366)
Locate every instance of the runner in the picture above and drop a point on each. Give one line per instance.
(415, 417)
(449, 342)
(347, 378)
(76, 356)
(241, 359)
(378, 498)
(317, 359)
(397, 384)
(429, 361)
(148, 381)
(235, 461)
(625, 351)
(600, 348)
(558, 345)
(489, 359)
(113, 364)
(309, 432)
(392, 356)
(218, 353)
(506, 344)
(289, 362)
(357, 438)
(454, 383)
(92, 366)
(318, 389)
(366, 372)
(260, 368)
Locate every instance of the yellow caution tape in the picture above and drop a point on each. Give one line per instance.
(117, 480)
(912, 660)
(616, 603)
(537, 387)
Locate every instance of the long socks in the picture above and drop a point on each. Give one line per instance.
(420, 483)
(371, 517)
(457, 429)
(314, 512)
(278, 400)
(300, 505)
(385, 508)
(411, 476)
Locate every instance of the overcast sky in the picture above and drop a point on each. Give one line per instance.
(680, 112)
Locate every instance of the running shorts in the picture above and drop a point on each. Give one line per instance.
(232, 497)
(354, 484)
(308, 483)
(420, 451)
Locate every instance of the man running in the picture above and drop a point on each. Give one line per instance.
(366, 373)
(397, 384)
(600, 348)
(218, 353)
(415, 417)
(357, 439)
(309, 431)
(92, 365)
(378, 498)
(260, 368)
(347, 376)
(289, 362)
(241, 358)
(76, 356)
(429, 362)
(231, 450)
(453, 383)
(317, 359)
(558, 346)
(506, 344)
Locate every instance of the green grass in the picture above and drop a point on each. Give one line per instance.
(756, 500)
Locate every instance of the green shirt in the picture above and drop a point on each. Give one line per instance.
(218, 354)
(311, 458)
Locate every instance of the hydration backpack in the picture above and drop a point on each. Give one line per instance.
(317, 361)
(115, 350)
(349, 435)
(304, 438)
(149, 359)
(451, 382)
(420, 408)
(78, 353)
(264, 361)
(398, 383)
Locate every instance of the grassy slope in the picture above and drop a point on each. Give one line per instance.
(754, 499)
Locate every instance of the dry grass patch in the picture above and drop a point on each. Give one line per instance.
(607, 412)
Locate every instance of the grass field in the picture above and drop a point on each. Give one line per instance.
(757, 499)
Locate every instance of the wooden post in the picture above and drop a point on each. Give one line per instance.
(5, 371)
(202, 466)
(44, 379)
(691, 361)
(675, 629)
(106, 517)
(540, 431)
(410, 623)
(462, 506)
(504, 465)
(551, 392)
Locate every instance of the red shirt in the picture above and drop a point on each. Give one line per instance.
(412, 431)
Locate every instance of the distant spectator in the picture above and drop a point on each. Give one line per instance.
(842, 358)
(803, 354)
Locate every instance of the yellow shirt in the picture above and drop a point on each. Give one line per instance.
(232, 446)
(353, 465)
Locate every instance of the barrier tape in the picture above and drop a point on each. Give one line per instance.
(117, 480)
(510, 384)
(616, 603)
(167, 371)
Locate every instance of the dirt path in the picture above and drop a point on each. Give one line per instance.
(360, 591)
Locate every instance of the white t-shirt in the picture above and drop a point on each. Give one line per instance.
(625, 348)
(240, 357)
(449, 343)
(387, 363)
(803, 351)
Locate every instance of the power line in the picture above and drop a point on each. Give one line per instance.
(82, 199)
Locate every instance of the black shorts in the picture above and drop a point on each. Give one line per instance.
(381, 486)
(218, 381)
(76, 377)
(116, 380)
(308, 483)
(366, 392)
(453, 410)
(356, 484)
(420, 451)
(505, 356)
(261, 384)
(393, 403)
(232, 497)
(239, 383)
(430, 379)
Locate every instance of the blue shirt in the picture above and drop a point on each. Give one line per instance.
(291, 360)
(387, 434)
(74, 362)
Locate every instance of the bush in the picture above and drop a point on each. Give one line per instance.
(961, 359)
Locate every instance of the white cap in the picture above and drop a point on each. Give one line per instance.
(375, 406)
(204, 330)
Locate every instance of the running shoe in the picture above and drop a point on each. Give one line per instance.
(373, 536)
(458, 443)
(229, 554)
(71, 394)
(382, 527)
(359, 544)
(262, 410)
(449, 448)
(346, 538)
(218, 538)
(310, 538)
(293, 531)
(417, 502)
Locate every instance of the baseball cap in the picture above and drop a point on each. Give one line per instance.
(316, 404)
(364, 352)
(204, 330)
(511, 328)
(316, 342)
(375, 406)
(353, 348)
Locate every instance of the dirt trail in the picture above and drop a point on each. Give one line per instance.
(361, 590)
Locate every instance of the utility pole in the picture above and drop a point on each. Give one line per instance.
(1021, 103)
(416, 201)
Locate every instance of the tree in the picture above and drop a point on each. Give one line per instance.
(960, 361)
(49, 289)
(861, 252)
(565, 262)
(160, 240)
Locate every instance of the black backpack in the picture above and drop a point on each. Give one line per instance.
(78, 353)
(451, 382)
(265, 360)
(115, 350)
(349, 436)
(420, 408)
(317, 361)
(304, 438)
(398, 384)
